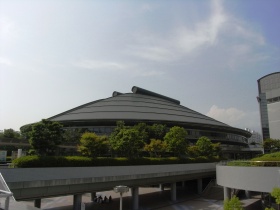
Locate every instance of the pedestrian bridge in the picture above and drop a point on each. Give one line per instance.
(37, 183)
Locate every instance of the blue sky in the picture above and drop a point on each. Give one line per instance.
(56, 55)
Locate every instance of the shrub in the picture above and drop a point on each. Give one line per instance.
(78, 161)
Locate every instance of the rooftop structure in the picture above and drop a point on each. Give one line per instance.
(269, 102)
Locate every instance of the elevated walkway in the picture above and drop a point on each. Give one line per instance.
(27, 183)
(38, 183)
(7, 200)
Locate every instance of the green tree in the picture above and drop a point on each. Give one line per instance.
(176, 140)
(10, 133)
(233, 204)
(45, 136)
(276, 194)
(92, 145)
(193, 151)
(25, 131)
(157, 131)
(143, 129)
(72, 135)
(156, 147)
(126, 142)
(206, 147)
(271, 145)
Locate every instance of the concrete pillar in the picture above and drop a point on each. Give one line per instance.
(227, 193)
(19, 154)
(183, 184)
(77, 201)
(248, 194)
(37, 203)
(135, 198)
(173, 191)
(92, 195)
(199, 186)
(161, 187)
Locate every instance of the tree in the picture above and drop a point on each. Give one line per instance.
(73, 135)
(206, 147)
(233, 204)
(10, 133)
(156, 147)
(271, 145)
(45, 136)
(25, 131)
(93, 145)
(157, 131)
(176, 141)
(142, 128)
(126, 141)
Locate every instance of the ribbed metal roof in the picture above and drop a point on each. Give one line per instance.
(142, 105)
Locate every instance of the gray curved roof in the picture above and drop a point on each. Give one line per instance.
(141, 105)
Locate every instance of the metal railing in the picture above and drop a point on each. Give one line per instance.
(6, 195)
(5, 192)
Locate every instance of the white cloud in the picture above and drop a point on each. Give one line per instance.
(220, 35)
(235, 117)
(130, 69)
(205, 32)
(100, 65)
(7, 29)
(155, 53)
(5, 61)
(231, 116)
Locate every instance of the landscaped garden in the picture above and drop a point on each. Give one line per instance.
(140, 144)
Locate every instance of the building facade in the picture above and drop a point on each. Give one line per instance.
(269, 102)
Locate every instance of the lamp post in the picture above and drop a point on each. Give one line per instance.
(121, 189)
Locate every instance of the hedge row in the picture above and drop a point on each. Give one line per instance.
(77, 161)
(272, 159)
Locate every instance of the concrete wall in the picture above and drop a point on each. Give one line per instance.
(260, 179)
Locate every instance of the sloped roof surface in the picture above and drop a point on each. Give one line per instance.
(138, 106)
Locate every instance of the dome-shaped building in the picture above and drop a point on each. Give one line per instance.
(145, 106)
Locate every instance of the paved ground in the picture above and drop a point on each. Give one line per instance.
(149, 199)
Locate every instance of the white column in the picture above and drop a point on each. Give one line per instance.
(19, 153)
(173, 191)
(135, 198)
(161, 187)
(248, 194)
(226, 193)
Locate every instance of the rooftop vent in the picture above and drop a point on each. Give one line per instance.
(138, 90)
(115, 93)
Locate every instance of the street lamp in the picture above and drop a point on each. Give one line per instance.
(121, 189)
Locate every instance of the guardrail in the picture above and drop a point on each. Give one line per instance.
(5, 192)
(7, 195)
(248, 163)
